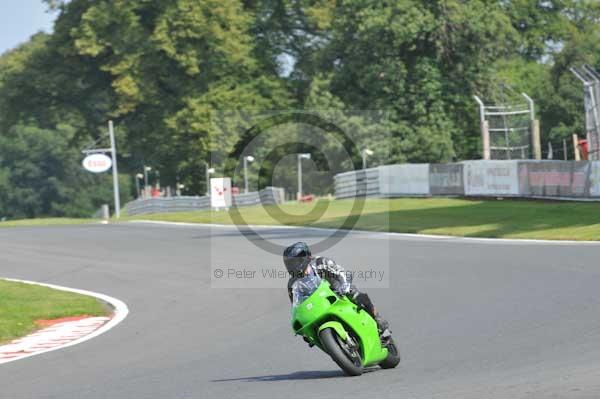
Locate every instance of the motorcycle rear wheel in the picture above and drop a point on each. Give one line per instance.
(346, 357)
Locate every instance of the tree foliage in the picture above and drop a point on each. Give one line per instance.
(165, 71)
(41, 175)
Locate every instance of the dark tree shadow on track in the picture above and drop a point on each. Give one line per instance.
(295, 376)
(265, 232)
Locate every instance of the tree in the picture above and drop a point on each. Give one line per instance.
(179, 78)
(554, 36)
(41, 175)
(159, 69)
(422, 61)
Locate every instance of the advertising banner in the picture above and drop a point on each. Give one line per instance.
(404, 179)
(446, 179)
(491, 178)
(220, 192)
(554, 178)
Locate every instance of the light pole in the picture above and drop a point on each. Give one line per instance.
(138, 177)
(300, 158)
(115, 172)
(146, 170)
(247, 159)
(366, 152)
(209, 171)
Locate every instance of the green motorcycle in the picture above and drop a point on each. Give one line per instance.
(339, 327)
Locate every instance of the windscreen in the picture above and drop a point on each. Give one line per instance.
(304, 287)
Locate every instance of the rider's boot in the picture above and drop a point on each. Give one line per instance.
(384, 329)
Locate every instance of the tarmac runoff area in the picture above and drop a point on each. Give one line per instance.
(473, 318)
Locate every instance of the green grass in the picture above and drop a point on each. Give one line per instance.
(22, 304)
(44, 222)
(440, 216)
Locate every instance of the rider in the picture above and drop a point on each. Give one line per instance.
(299, 261)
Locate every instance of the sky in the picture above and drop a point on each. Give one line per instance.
(19, 19)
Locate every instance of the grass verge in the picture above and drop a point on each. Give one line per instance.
(44, 222)
(22, 304)
(440, 216)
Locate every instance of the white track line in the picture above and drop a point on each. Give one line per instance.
(381, 234)
(120, 312)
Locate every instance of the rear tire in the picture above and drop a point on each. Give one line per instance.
(393, 357)
(331, 342)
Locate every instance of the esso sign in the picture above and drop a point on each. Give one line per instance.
(97, 163)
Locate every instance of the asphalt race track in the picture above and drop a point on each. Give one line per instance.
(473, 319)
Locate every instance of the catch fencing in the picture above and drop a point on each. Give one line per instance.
(527, 179)
(268, 195)
(591, 83)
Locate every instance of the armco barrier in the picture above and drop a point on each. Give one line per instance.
(446, 179)
(269, 195)
(163, 205)
(533, 179)
(388, 180)
(357, 183)
(513, 178)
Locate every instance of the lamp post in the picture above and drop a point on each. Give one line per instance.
(300, 158)
(146, 170)
(209, 171)
(366, 152)
(247, 159)
(115, 172)
(138, 177)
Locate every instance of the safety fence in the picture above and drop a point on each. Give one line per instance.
(529, 179)
(268, 195)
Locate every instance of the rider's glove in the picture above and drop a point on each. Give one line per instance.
(353, 294)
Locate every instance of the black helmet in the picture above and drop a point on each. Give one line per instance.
(296, 257)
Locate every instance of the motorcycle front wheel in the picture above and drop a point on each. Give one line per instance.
(346, 356)
(393, 357)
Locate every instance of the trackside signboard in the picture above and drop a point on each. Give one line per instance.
(405, 179)
(491, 178)
(220, 192)
(595, 179)
(97, 163)
(446, 179)
(554, 178)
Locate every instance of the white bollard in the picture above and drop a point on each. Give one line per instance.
(105, 213)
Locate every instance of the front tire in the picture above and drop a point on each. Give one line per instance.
(393, 357)
(347, 358)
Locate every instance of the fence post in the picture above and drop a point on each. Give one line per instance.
(485, 139)
(576, 147)
(535, 139)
